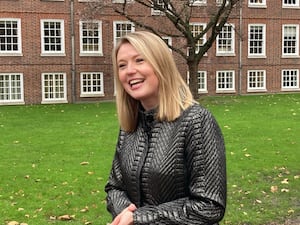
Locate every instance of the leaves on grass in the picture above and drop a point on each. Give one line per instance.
(84, 163)
(15, 223)
(274, 189)
(62, 217)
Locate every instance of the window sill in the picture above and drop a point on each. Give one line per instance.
(256, 90)
(91, 54)
(91, 95)
(11, 54)
(290, 56)
(225, 91)
(54, 101)
(12, 103)
(53, 54)
(290, 89)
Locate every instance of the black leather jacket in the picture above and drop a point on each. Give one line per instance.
(174, 172)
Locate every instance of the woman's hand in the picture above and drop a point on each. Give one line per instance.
(125, 217)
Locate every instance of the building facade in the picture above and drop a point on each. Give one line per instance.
(49, 52)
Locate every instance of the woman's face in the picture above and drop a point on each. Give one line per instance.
(137, 76)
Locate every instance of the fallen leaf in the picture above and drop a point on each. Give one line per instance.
(291, 211)
(274, 189)
(66, 217)
(85, 209)
(84, 163)
(285, 181)
(285, 190)
(13, 223)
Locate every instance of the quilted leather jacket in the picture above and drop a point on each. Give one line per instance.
(174, 172)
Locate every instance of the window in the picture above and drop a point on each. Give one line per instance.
(91, 84)
(256, 40)
(225, 40)
(196, 29)
(290, 3)
(121, 28)
(290, 38)
(257, 3)
(91, 38)
(52, 37)
(168, 41)
(220, 2)
(256, 80)
(54, 88)
(119, 1)
(198, 2)
(11, 88)
(202, 82)
(158, 7)
(225, 81)
(290, 79)
(10, 37)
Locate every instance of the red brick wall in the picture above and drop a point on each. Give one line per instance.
(32, 64)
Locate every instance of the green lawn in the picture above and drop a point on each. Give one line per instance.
(55, 159)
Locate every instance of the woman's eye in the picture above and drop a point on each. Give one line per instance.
(139, 60)
(121, 66)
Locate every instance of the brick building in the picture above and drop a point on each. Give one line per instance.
(50, 54)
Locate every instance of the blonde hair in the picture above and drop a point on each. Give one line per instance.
(174, 94)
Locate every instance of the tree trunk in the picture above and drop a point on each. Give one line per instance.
(193, 78)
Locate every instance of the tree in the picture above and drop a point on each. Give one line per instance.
(173, 19)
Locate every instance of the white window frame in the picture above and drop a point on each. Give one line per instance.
(203, 39)
(168, 41)
(256, 80)
(17, 52)
(225, 52)
(116, 23)
(220, 2)
(291, 5)
(229, 83)
(287, 77)
(157, 12)
(257, 3)
(296, 54)
(11, 88)
(202, 81)
(120, 1)
(263, 40)
(60, 52)
(92, 83)
(198, 2)
(90, 38)
(53, 86)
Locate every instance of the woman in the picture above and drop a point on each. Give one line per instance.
(169, 165)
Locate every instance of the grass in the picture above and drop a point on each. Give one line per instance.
(55, 159)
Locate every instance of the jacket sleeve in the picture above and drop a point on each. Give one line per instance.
(205, 158)
(116, 197)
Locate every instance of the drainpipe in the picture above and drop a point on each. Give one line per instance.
(240, 47)
(73, 69)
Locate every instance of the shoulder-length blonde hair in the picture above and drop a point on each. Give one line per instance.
(174, 94)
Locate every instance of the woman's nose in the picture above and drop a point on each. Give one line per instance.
(131, 69)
